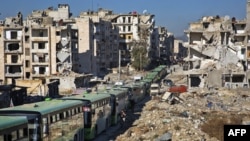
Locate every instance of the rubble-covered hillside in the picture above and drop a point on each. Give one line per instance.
(197, 115)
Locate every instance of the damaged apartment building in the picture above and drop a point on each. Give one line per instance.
(43, 48)
(132, 27)
(218, 52)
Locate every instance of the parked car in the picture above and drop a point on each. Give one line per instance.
(167, 82)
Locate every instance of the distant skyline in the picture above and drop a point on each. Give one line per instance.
(175, 15)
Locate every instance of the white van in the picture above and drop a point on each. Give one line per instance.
(154, 89)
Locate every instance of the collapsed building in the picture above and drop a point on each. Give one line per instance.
(218, 52)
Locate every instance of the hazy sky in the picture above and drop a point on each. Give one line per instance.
(175, 15)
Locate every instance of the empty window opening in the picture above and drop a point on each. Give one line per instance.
(227, 78)
(243, 51)
(14, 69)
(41, 45)
(195, 81)
(13, 35)
(41, 33)
(205, 25)
(27, 38)
(27, 74)
(14, 46)
(58, 33)
(26, 29)
(41, 59)
(238, 78)
(27, 63)
(42, 70)
(14, 58)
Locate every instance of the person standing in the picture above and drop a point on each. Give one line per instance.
(122, 117)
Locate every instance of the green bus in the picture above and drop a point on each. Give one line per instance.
(97, 112)
(118, 102)
(51, 120)
(13, 128)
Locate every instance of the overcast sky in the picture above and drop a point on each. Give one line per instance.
(175, 15)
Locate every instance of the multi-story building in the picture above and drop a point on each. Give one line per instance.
(165, 43)
(179, 50)
(133, 27)
(12, 53)
(42, 47)
(101, 42)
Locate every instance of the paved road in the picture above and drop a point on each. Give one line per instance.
(113, 132)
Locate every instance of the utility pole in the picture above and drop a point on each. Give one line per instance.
(119, 75)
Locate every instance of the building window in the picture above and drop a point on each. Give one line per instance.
(129, 19)
(27, 63)
(13, 35)
(41, 45)
(58, 33)
(27, 74)
(13, 46)
(14, 58)
(129, 28)
(27, 38)
(41, 33)
(243, 51)
(123, 28)
(123, 19)
(42, 70)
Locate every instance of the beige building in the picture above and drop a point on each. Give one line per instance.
(39, 47)
(99, 42)
(132, 27)
(219, 46)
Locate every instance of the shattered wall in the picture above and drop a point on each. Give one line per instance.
(214, 78)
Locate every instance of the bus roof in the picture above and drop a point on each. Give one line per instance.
(44, 107)
(88, 97)
(10, 122)
(114, 92)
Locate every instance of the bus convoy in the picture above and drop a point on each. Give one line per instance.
(77, 117)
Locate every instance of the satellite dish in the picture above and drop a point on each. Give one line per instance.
(144, 11)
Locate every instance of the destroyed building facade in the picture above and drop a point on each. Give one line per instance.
(218, 52)
(51, 44)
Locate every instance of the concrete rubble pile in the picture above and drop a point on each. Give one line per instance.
(186, 120)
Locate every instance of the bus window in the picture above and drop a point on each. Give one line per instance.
(14, 135)
(58, 117)
(87, 116)
(45, 127)
(73, 123)
(61, 115)
(1, 138)
(34, 130)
